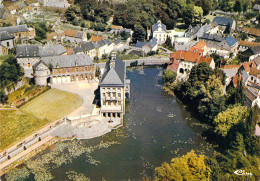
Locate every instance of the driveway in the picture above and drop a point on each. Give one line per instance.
(85, 90)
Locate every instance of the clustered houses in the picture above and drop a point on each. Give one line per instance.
(20, 32)
(95, 49)
(6, 42)
(63, 69)
(182, 62)
(114, 87)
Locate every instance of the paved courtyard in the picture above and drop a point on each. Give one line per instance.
(85, 90)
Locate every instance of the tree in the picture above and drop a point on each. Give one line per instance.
(238, 6)
(3, 97)
(188, 14)
(225, 120)
(188, 167)
(169, 76)
(198, 12)
(139, 33)
(227, 30)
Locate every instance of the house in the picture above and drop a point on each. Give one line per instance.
(63, 4)
(73, 36)
(92, 49)
(114, 88)
(244, 45)
(158, 31)
(224, 22)
(255, 32)
(7, 40)
(183, 61)
(257, 62)
(3, 50)
(214, 38)
(20, 32)
(229, 44)
(27, 55)
(230, 71)
(118, 44)
(250, 53)
(146, 47)
(96, 38)
(52, 50)
(65, 69)
(200, 47)
(256, 7)
(12, 9)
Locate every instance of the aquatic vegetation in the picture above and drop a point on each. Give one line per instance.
(17, 174)
(72, 175)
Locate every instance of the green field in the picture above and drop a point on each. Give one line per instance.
(53, 104)
(50, 106)
(16, 125)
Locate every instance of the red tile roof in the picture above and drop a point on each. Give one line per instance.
(248, 65)
(235, 80)
(255, 72)
(248, 43)
(186, 56)
(70, 33)
(96, 38)
(252, 31)
(204, 59)
(173, 65)
(198, 47)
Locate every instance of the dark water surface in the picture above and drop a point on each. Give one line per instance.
(156, 129)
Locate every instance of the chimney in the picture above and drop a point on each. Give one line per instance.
(112, 60)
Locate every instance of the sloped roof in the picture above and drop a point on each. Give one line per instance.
(255, 72)
(250, 95)
(193, 30)
(73, 33)
(248, 43)
(114, 76)
(230, 72)
(205, 28)
(186, 56)
(231, 66)
(198, 47)
(27, 51)
(252, 31)
(117, 41)
(116, 27)
(15, 29)
(96, 38)
(223, 21)
(244, 76)
(256, 50)
(4, 35)
(212, 37)
(84, 47)
(152, 43)
(52, 50)
(231, 41)
(207, 60)
(157, 25)
(65, 61)
(248, 65)
(140, 44)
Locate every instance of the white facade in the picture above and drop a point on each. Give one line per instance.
(8, 43)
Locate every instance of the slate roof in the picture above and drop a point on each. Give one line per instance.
(212, 37)
(27, 51)
(223, 21)
(15, 29)
(205, 28)
(4, 35)
(65, 61)
(52, 50)
(140, 44)
(114, 76)
(192, 30)
(256, 50)
(244, 76)
(231, 41)
(152, 43)
(117, 41)
(2, 12)
(157, 25)
(84, 47)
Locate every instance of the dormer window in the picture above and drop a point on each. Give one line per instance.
(57, 65)
(76, 64)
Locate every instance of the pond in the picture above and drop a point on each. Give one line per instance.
(156, 128)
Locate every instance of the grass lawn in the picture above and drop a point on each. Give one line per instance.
(50, 106)
(16, 125)
(53, 104)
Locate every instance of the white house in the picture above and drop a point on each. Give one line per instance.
(7, 40)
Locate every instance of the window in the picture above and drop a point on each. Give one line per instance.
(118, 115)
(104, 102)
(81, 76)
(252, 78)
(86, 68)
(103, 89)
(119, 95)
(119, 103)
(108, 89)
(118, 89)
(104, 94)
(77, 69)
(58, 71)
(108, 94)
(67, 70)
(8, 44)
(114, 94)
(114, 89)
(109, 103)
